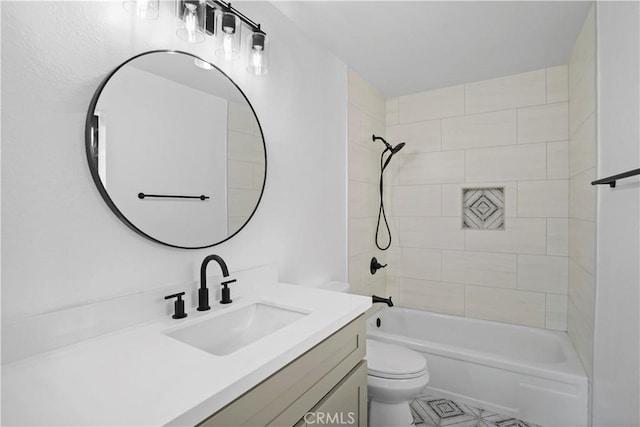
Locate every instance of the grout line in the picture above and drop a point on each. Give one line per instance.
(546, 86)
(517, 263)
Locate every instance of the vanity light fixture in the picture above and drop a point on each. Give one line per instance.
(215, 18)
(193, 16)
(257, 55)
(229, 30)
(224, 22)
(143, 9)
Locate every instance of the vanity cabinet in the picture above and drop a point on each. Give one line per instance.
(327, 385)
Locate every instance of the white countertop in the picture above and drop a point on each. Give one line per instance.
(140, 376)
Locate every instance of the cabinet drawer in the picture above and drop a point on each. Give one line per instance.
(287, 395)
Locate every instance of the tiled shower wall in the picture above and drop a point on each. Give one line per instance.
(366, 117)
(511, 133)
(582, 195)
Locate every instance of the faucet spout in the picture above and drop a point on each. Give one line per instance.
(203, 292)
(387, 301)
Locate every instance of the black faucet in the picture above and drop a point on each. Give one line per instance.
(203, 292)
(387, 301)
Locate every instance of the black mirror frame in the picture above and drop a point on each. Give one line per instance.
(93, 167)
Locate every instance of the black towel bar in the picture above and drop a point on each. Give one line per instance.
(143, 195)
(611, 180)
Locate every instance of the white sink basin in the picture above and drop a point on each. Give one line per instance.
(228, 332)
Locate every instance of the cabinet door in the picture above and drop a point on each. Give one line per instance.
(345, 405)
(287, 395)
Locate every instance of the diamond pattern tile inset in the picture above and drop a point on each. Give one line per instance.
(483, 208)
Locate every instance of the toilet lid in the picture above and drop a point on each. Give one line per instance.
(393, 361)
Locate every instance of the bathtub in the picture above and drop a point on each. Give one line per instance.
(528, 373)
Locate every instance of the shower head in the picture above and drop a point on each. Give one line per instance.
(393, 150)
(397, 148)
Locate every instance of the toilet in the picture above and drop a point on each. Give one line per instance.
(396, 375)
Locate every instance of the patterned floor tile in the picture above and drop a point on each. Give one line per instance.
(433, 411)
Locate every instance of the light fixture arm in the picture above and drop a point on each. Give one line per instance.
(226, 7)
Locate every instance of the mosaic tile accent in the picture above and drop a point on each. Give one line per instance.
(483, 208)
(434, 411)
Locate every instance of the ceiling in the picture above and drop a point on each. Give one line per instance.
(403, 47)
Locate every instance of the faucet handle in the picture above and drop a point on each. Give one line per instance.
(226, 292)
(178, 306)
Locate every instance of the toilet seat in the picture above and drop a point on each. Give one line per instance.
(393, 361)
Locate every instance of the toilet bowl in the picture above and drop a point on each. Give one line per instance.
(395, 377)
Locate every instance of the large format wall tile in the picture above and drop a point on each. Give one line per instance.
(416, 200)
(556, 308)
(582, 195)
(582, 240)
(582, 200)
(417, 263)
(432, 296)
(511, 134)
(434, 104)
(430, 168)
(365, 97)
(558, 236)
(581, 335)
(582, 100)
(367, 114)
(543, 273)
(506, 305)
(519, 90)
(558, 160)
(479, 268)
(420, 136)
(582, 146)
(543, 199)
(512, 163)
(543, 123)
(521, 235)
(479, 130)
(430, 232)
(557, 84)
(392, 111)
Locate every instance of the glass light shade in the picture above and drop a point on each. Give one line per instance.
(202, 64)
(193, 15)
(229, 29)
(258, 54)
(143, 9)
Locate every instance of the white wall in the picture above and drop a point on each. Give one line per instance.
(616, 394)
(62, 247)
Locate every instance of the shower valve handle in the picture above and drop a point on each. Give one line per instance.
(375, 265)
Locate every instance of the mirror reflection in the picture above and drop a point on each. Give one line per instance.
(176, 150)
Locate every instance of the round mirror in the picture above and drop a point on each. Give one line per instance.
(176, 150)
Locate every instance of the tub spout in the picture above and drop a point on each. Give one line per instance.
(387, 301)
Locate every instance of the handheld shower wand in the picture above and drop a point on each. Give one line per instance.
(383, 165)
